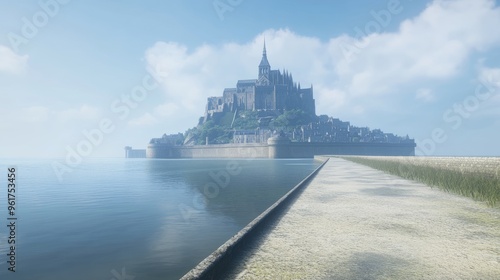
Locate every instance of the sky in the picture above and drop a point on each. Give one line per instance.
(95, 76)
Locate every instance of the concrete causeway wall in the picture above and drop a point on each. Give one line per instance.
(214, 265)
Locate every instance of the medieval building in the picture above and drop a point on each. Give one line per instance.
(271, 94)
(272, 91)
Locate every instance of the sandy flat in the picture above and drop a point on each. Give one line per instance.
(354, 222)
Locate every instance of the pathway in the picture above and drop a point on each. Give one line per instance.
(354, 222)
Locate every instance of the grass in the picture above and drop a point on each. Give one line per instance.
(481, 186)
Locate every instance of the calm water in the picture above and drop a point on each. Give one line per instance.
(152, 219)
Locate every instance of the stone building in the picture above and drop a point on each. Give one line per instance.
(271, 91)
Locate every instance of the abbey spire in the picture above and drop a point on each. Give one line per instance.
(264, 67)
(273, 91)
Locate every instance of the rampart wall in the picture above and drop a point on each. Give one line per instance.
(280, 150)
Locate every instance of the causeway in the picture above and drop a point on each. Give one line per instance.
(355, 222)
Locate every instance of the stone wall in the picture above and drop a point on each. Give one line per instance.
(280, 150)
(215, 265)
(209, 151)
(135, 153)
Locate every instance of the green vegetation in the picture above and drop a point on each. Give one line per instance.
(246, 120)
(219, 129)
(292, 118)
(482, 186)
(216, 134)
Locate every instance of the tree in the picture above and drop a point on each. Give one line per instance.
(292, 118)
(246, 120)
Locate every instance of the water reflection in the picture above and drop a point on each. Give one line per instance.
(203, 217)
(238, 189)
(113, 214)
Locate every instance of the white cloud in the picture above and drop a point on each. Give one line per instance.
(189, 77)
(335, 97)
(425, 95)
(34, 114)
(490, 77)
(84, 112)
(432, 46)
(358, 109)
(144, 120)
(38, 114)
(167, 110)
(11, 62)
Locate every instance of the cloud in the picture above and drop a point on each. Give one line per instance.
(11, 62)
(333, 96)
(84, 112)
(433, 46)
(188, 77)
(144, 120)
(490, 78)
(425, 95)
(167, 110)
(43, 114)
(34, 114)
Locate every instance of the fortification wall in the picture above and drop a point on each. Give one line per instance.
(135, 153)
(161, 151)
(225, 151)
(208, 151)
(280, 150)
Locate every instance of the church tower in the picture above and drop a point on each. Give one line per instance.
(264, 68)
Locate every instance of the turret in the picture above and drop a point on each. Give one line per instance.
(279, 146)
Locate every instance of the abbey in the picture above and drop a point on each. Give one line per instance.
(272, 91)
(228, 130)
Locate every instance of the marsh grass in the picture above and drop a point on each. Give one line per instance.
(482, 184)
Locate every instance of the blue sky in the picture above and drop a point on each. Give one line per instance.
(429, 69)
